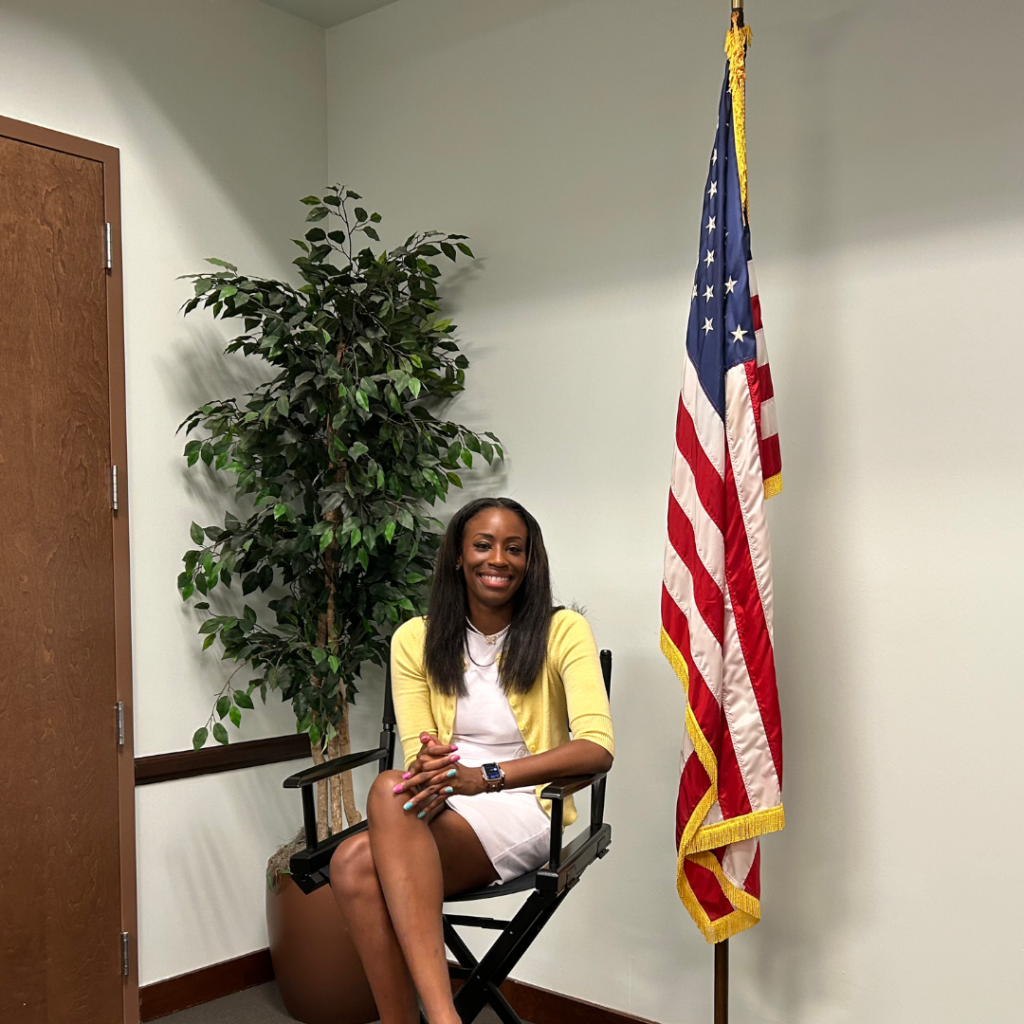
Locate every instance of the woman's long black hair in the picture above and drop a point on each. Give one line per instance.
(526, 644)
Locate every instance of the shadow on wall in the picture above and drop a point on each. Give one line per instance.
(197, 67)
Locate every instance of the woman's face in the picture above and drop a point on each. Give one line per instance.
(494, 556)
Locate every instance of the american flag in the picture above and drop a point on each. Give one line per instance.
(717, 594)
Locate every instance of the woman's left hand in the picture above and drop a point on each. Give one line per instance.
(458, 779)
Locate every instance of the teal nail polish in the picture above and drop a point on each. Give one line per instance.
(448, 789)
(408, 806)
(451, 774)
(421, 814)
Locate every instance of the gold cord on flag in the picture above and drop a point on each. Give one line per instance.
(736, 42)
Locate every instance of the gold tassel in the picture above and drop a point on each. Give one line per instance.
(736, 42)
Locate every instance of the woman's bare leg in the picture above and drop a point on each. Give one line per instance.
(417, 864)
(358, 894)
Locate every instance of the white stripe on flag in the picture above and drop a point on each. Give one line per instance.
(704, 648)
(738, 860)
(769, 419)
(704, 415)
(762, 347)
(707, 537)
(745, 454)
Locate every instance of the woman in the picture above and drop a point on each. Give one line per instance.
(486, 689)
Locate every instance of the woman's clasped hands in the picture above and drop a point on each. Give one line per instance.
(435, 775)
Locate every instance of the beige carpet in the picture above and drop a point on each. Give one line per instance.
(259, 1005)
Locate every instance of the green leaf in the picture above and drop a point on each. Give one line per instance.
(364, 558)
(220, 734)
(454, 477)
(371, 232)
(449, 250)
(463, 248)
(317, 213)
(197, 534)
(360, 213)
(319, 654)
(236, 717)
(363, 400)
(243, 700)
(199, 738)
(357, 449)
(335, 663)
(326, 538)
(208, 642)
(210, 625)
(389, 530)
(281, 511)
(223, 705)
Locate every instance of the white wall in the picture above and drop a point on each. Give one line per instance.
(217, 107)
(571, 140)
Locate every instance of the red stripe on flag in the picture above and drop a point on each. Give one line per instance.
(732, 790)
(751, 626)
(709, 600)
(710, 488)
(694, 782)
(765, 388)
(707, 890)
(701, 700)
(771, 456)
(750, 369)
(755, 310)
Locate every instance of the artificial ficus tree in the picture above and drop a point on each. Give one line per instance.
(335, 459)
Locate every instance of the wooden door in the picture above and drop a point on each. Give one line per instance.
(61, 766)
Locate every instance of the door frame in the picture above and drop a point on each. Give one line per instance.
(109, 158)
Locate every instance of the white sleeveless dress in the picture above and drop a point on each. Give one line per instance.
(511, 825)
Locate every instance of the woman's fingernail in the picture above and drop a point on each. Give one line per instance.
(407, 775)
(454, 757)
(398, 789)
(452, 773)
(455, 746)
(408, 806)
(422, 814)
(448, 789)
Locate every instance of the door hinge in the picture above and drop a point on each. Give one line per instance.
(120, 723)
(113, 488)
(125, 961)
(109, 247)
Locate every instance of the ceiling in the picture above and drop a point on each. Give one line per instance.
(328, 12)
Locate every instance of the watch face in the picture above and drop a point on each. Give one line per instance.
(491, 772)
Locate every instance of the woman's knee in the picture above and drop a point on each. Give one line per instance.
(382, 797)
(352, 869)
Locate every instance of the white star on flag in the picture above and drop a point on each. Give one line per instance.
(711, 224)
(729, 285)
(710, 258)
(708, 326)
(739, 334)
(709, 293)
(713, 191)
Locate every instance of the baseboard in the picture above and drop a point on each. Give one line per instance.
(203, 986)
(537, 1005)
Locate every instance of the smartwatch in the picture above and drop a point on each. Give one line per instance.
(494, 777)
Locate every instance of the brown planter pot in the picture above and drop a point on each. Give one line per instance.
(317, 967)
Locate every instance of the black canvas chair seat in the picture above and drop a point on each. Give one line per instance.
(548, 886)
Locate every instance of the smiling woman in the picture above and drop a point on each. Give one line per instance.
(487, 689)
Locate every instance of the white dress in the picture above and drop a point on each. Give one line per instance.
(511, 825)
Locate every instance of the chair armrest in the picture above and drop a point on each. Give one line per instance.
(339, 764)
(561, 788)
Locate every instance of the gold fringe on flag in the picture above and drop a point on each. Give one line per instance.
(736, 42)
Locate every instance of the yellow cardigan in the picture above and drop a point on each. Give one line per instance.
(568, 694)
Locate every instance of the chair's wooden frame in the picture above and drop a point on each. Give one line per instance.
(550, 885)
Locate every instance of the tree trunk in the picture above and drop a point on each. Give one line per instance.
(334, 750)
(347, 795)
(322, 831)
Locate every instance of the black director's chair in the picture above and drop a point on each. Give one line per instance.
(550, 885)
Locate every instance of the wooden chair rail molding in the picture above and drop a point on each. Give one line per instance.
(185, 764)
(534, 1004)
